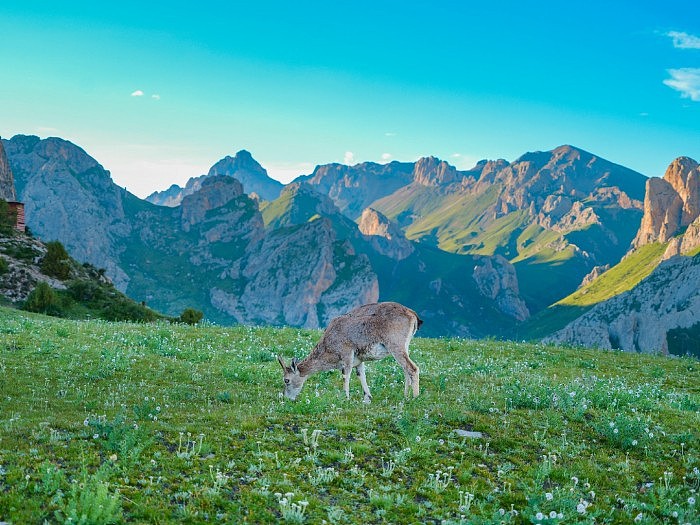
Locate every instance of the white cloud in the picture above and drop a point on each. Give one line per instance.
(137, 93)
(349, 157)
(389, 134)
(687, 81)
(684, 40)
(155, 96)
(456, 155)
(386, 157)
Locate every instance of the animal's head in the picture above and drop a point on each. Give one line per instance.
(293, 381)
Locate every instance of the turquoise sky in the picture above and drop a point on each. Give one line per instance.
(159, 93)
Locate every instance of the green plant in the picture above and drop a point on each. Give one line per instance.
(8, 218)
(90, 502)
(191, 316)
(42, 299)
(4, 266)
(56, 262)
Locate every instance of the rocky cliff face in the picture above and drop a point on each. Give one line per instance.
(353, 188)
(243, 167)
(431, 171)
(302, 276)
(385, 236)
(497, 280)
(640, 319)
(7, 181)
(68, 196)
(672, 208)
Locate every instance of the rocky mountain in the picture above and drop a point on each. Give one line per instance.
(7, 182)
(554, 215)
(672, 209)
(300, 261)
(243, 167)
(646, 301)
(641, 319)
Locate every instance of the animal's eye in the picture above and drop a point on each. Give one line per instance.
(286, 381)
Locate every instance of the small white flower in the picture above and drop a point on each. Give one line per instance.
(95, 436)
(539, 516)
(639, 517)
(634, 442)
(553, 514)
(549, 496)
(615, 431)
(581, 508)
(691, 500)
(612, 424)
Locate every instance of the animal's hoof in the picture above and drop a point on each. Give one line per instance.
(367, 400)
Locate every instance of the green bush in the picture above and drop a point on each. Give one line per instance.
(42, 300)
(191, 316)
(122, 309)
(56, 262)
(4, 266)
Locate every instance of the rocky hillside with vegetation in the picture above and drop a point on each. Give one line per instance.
(649, 301)
(295, 260)
(555, 215)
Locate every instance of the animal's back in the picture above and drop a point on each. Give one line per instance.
(385, 323)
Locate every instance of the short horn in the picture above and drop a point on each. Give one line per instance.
(281, 362)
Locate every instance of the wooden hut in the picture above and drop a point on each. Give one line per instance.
(17, 209)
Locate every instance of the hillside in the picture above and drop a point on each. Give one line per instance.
(163, 423)
(555, 215)
(216, 251)
(647, 301)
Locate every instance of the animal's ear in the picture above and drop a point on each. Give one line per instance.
(281, 362)
(293, 366)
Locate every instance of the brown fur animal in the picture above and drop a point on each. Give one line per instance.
(367, 333)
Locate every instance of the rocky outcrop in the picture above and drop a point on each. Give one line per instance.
(7, 181)
(639, 320)
(596, 272)
(431, 171)
(300, 277)
(672, 207)
(243, 167)
(385, 236)
(496, 279)
(353, 188)
(214, 193)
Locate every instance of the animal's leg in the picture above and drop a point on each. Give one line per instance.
(360, 369)
(410, 370)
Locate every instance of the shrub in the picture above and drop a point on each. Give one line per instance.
(56, 262)
(191, 316)
(4, 266)
(42, 300)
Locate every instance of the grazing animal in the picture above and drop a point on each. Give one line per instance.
(367, 333)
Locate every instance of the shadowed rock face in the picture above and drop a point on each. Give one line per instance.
(385, 236)
(7, 181)
(672, 207)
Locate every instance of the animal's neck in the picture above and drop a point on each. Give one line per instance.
(311, 363)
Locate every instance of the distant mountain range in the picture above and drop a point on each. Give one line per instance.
(497, 250)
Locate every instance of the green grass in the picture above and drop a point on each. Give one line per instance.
(114, 423)
(620, 278)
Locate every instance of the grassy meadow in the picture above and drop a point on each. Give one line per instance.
(155, 423)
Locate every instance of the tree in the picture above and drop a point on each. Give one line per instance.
(42, 300)
(56, 262)
(191, 316)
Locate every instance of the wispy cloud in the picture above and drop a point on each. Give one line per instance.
(389, 134)
(685, 80)
(349, 157)
(684, 40)
(137, 93)
(386, 157)
(155, 96)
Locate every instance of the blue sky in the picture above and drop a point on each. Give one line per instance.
(158, 94)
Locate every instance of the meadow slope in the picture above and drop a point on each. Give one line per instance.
(113, 422)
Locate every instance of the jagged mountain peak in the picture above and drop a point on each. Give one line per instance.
(431, 171)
